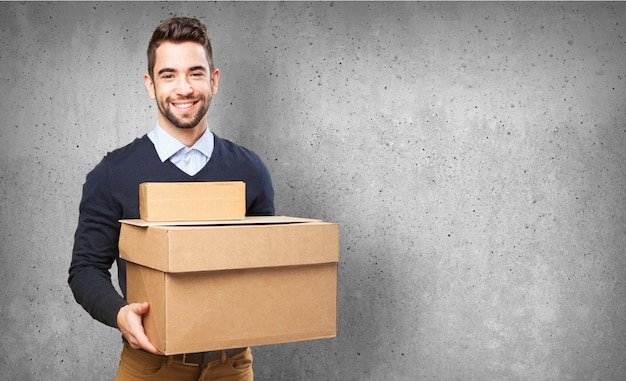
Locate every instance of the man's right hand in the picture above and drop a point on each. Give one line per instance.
(129, 321)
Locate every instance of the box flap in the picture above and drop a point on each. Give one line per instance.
(248, 220)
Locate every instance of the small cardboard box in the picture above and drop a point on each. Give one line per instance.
(264, 280)
(192, 201)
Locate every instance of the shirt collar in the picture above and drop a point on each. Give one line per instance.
(166, 145)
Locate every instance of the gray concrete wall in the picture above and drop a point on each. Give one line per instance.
(473, 154)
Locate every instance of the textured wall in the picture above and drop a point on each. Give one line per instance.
(473, 154)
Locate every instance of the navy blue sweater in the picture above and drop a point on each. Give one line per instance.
(111, 193)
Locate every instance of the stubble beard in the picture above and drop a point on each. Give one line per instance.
(186, 123)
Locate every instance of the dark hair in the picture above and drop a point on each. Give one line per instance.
(179, 29)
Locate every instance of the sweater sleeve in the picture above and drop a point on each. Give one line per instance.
(263, 203)
(96, 248)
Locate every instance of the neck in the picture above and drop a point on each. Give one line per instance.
(187, 136)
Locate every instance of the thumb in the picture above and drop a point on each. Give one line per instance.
(141, 308)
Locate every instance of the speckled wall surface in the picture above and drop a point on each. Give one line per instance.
(473, 154)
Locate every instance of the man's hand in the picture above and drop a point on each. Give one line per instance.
(129, 321)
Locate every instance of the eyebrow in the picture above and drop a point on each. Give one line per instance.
(171, 70)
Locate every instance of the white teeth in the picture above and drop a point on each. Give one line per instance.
(183, 105)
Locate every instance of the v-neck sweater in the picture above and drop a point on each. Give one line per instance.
(111, 193)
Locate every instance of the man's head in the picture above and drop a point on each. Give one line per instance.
(181, 76)
(177, 30)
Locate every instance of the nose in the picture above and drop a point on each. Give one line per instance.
(184, 86)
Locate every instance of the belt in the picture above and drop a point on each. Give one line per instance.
(201, 358)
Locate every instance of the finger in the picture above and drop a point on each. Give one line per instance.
(144, 343)
(139, 338)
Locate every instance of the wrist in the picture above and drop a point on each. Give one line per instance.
(119, 315)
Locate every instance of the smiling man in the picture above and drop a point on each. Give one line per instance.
(183, 86)
(182, 80)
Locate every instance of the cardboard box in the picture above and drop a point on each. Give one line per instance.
(192, 201)
(264, 280)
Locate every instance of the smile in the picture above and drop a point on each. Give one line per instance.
(183, 105)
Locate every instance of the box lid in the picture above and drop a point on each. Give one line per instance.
(255, 242)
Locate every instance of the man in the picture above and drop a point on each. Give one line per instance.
(182, 80)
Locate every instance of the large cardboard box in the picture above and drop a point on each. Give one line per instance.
(260, 281)
(192, 201)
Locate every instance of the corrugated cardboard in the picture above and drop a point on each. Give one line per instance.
(192, 201)
(240, 284)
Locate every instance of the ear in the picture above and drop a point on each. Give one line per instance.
(149, 86)
(215, 79)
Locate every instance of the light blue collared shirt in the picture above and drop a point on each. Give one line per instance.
(189, 159)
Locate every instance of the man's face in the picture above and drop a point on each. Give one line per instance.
(183, 85)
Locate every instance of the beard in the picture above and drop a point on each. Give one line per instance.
(189, 121)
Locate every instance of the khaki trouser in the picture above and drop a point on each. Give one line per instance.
(136, 365)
